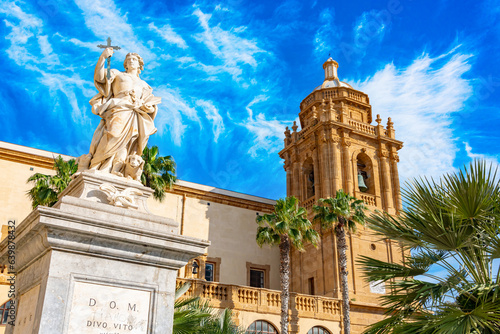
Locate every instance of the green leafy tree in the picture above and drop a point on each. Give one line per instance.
(192, 316)
(158, 172)
(341, 213)
(286, 227)
(450, 284)
(47, 187)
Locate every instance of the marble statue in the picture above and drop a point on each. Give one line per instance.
(127, 109)
(133, 167)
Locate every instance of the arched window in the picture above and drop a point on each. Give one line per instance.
(4, 313)
(318, 330)
(261, 327)
(365, 179)
(310, 186)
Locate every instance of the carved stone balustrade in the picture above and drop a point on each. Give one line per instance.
(244, 298)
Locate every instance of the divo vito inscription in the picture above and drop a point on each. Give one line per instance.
(104, 309)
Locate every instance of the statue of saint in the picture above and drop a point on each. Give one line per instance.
(127, 109)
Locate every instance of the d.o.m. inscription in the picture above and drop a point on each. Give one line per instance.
(105, 309)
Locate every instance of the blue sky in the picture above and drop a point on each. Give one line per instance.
(232, 75)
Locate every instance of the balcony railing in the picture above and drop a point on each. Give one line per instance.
(363, 127)
(308, 204)
(334, 93)
(268, 301)
(369, 199)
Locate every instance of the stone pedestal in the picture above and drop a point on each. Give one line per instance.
(85, 266)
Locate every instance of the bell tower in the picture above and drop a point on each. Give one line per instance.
(337, 147)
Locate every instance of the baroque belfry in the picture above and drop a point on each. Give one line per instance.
(338, 148)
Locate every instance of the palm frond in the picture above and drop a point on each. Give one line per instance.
(452, 224)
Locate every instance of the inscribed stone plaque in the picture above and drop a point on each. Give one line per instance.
(26, 311)
(377, 287)
(104, 309)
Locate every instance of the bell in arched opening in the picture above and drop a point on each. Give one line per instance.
(361, 183)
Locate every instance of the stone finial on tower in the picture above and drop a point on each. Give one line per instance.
(390, 124)
(288, 136)
(295, 135)
(379, 128)
(390, 128)
(330, 66)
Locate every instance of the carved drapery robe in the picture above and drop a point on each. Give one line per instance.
(125, 127)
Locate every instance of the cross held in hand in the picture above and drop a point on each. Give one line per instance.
(108, 45)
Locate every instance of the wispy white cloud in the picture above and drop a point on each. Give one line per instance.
(172, 112)
(87, 45)
(421, 100)
(327, 35)
(213, 116)
(23, 26)
(493, 160)
(226, 45)
(370, 27)
(289, 10)
(68, 86)
(267, 134)
(50, 57)
(104, 19)
(31, 49)
(169, 35)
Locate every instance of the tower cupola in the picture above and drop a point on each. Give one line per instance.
(331, 76)
(330, 66)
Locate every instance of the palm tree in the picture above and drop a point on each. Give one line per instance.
(450, 284)
(188, 312)
(288, 226)
(222, 323)
(340, 213)
(48, 187)
(192, 316)
(158, 172)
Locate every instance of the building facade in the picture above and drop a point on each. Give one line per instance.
(336, 148)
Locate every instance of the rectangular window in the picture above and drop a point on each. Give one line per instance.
(310, 283)
(257, 278)
(209, 271)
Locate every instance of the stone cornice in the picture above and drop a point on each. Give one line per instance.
(80, 226)
(26, 158)
(193, 192)
(221, 198)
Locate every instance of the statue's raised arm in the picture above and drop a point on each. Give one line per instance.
(127, 109)
(100, 70)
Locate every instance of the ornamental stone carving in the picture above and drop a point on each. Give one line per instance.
(127, 109)
(384, 153)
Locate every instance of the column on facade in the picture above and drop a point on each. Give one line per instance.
(335, 148)
(386, 179)
(296, 179)
(303, 183)
(318, 189)
(395, 176)
(347, 165)
(325, 164)
(289, 190)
